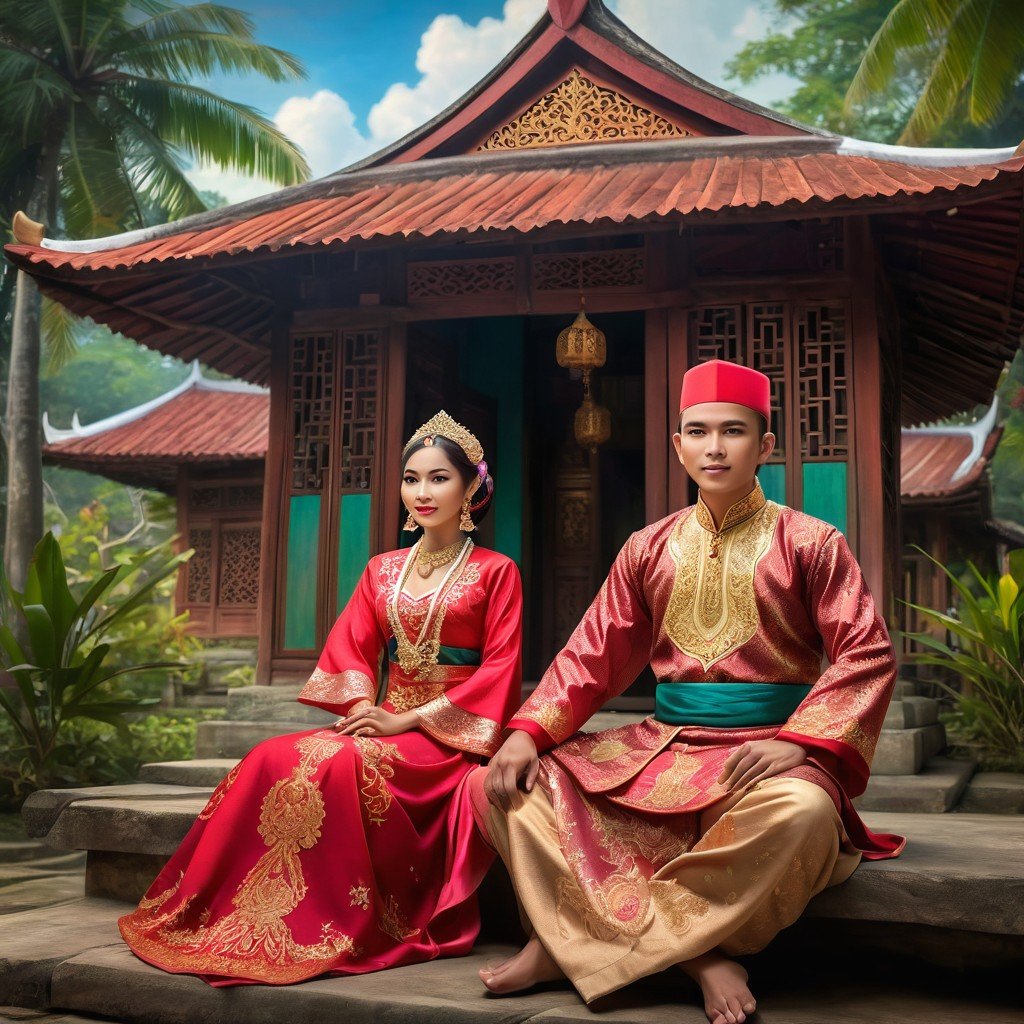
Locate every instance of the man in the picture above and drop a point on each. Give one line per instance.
(703, 831)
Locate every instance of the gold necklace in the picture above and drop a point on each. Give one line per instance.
(418, 658)
(428, 561)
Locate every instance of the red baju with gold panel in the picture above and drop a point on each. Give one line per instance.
(762, 600)
(321, 853)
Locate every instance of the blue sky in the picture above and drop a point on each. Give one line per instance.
(379, 69)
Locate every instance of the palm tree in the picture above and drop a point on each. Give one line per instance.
(99, 114)
(974, 54)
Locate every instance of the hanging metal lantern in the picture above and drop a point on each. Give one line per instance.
(592, 424)
(581, 346)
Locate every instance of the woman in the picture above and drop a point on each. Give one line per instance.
(346, 850)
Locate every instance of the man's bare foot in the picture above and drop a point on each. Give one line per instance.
(727, 1000)
(529, 967)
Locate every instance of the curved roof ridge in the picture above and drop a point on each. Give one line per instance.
(977, 432)
(195, 379)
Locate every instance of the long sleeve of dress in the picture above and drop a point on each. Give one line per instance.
(843, 713)
(605, 653)
(347, 669)
(470, 716)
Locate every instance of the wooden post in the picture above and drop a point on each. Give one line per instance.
(873, 534)
(273, 498)
(678, 364)
(391, 424)
(657, 446)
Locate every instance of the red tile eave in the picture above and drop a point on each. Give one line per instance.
(525, 200)
(928, 462)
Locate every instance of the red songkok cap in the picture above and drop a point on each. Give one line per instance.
(720, 381)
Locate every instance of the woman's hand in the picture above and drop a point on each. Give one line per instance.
(760, 760)
(368, 720)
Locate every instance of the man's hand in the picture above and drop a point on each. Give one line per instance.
(760, 760)
(517, 760)
(368, 720)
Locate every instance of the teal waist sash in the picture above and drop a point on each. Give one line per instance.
(445, 656)
(727, 705)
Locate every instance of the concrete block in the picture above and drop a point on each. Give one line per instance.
(128, 826)
(934, 740)
(895, 716)
(33, 942)
(920, 711)
(934, 790)
(230, 739)
(112, 982)
(205, 773)
(899, 752)
(274, 704)
(995, 793)
(43, 808)
(904, 688)
(121, 876)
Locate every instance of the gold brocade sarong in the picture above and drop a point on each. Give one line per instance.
(760, 857)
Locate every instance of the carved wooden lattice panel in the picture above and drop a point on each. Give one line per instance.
(199, 567)
(204, 498)
(360, 351)
(442, 280)
(766, 335)
(821, 343)
(312, 401)
(577, 110)
(617, 268)
(716, 333)
(245, 496)
(239, 566)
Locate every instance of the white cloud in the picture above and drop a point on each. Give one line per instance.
(452, 57)
(324, 126)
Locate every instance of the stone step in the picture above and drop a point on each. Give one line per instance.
(937, 788)
(995, 793)
(904, 751)
(221, 738)
(911, 713)
(274, 704)
(205, 773)
(71, 957)
(23, 1015)
(905, 688)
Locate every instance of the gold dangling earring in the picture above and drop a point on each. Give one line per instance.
(466, 524)
(410, 526)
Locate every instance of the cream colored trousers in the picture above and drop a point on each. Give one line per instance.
(762, 854)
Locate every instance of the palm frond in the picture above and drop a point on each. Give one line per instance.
(61, 330)
(215, 130)
(997, 61)
(910, 24)
(190, 54)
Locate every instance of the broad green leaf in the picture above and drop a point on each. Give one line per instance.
(41, 635)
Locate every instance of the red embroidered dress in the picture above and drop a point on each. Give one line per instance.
(321, 853)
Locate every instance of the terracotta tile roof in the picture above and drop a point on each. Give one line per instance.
(946, 462)
(620, 184)
(200, 422)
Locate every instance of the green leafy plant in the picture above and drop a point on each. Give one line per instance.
(987, 641)
(56, 651)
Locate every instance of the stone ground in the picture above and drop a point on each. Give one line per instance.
(60, 953)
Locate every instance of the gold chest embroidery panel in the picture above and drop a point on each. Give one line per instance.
(712, 610)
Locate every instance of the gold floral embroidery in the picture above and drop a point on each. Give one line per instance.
(406, 698)
(338, 687)
(607, 750)
(721, 834)
(377, 768)
(624, 836)
(360, 895)
(621, 902)
(220, 792)
(392, 922)
(570, 898)
(553, 718)
(672, 787)
(677, 906)
(829, 719)
(460, 729)
(290, 820)
(712, 610)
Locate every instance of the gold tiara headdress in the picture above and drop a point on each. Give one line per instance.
(444, 426)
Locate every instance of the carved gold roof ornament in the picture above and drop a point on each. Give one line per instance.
(577, 110)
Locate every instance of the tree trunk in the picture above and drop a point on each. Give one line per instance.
(24, 443)
(24, 526)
